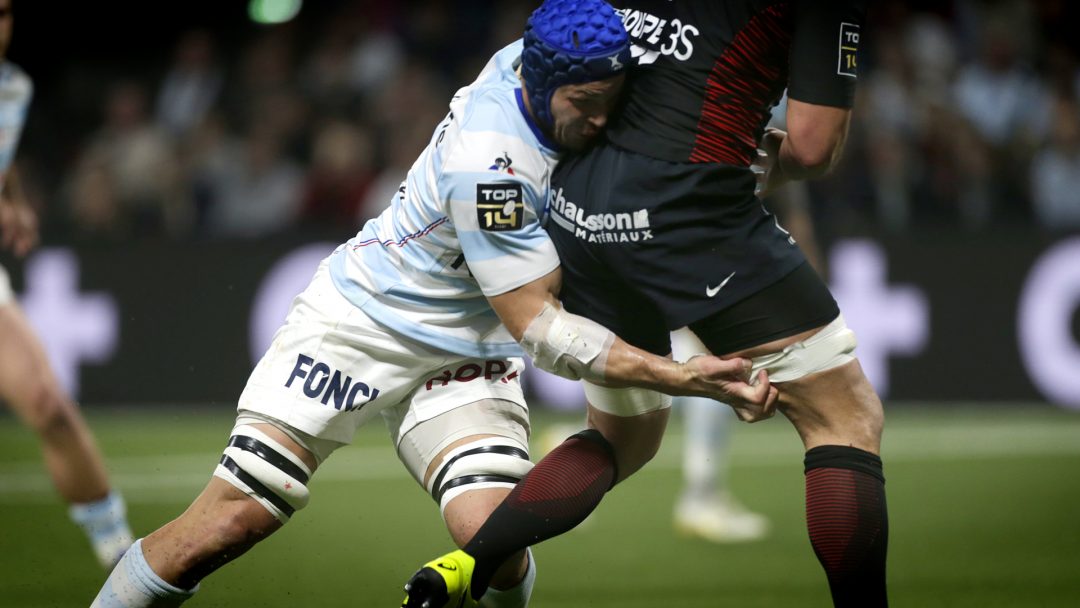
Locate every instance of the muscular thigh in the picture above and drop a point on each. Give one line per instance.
(837, 406)
(468, 459)
(793, 330)
(822, 388)
(424, 448)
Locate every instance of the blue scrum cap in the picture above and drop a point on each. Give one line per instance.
(570, 42)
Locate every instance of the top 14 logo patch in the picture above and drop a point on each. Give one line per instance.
(500, 206)
(846, 63)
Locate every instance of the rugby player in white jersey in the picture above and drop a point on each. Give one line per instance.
(27, 384)
(421, 319)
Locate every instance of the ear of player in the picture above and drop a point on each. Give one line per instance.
(262, 468)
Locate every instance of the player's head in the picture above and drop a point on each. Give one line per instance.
(6, 21)
(573, 64)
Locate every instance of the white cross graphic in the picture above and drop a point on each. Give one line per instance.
(73, 327)
(886, 319)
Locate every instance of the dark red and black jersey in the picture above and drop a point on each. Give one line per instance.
(710, 71)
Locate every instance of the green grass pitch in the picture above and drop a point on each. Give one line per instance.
(984, 506)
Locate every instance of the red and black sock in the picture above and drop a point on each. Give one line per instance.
(848, 523)
(556, 495)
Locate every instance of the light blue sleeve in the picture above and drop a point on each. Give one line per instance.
(498, 229)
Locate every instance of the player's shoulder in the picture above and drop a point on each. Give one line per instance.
(484, 155)
(14, 77)
(506, 155)
(490, 102)
(491, 139)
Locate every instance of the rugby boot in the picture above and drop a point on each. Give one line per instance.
(442, 583)
(719, 519)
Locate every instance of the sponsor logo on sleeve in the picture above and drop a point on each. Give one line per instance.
(849, 50)
(500, 206)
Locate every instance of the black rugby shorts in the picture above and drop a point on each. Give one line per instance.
(649, 246)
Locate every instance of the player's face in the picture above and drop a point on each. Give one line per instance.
(5, 26)
(580, 111)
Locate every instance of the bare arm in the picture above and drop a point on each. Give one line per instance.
(626, 365)
(815, 139)
(811, 146)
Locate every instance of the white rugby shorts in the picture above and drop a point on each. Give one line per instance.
(331, 368)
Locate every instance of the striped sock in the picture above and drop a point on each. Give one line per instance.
(556, 495)
(848, 523)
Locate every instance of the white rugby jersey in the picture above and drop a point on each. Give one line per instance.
(464, 225)
(16, 89)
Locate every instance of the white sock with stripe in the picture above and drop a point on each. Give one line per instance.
(105, 523)
(134, 584)
(514, 597)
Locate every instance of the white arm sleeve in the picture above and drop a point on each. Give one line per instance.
(568, 345)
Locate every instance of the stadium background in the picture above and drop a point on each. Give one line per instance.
(191, 166)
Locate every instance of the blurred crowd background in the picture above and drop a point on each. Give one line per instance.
(214, 126)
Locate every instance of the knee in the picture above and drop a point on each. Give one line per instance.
(241, 524)
(463, 530)
(47, 411)
(632, 452)
(633, 458)
(864, 431)
(875, 419)
(632, 440)
(838, 407)
(868, 420)
(860, 426)
(466, 513)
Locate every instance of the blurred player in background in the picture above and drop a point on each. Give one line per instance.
(419, 319)
(702, 252)
(707, 507)
(27, 382)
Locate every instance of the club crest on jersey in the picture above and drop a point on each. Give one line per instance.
(500, 206)
(502, 164)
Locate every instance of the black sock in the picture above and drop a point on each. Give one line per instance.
(848, 523)
(557, 494)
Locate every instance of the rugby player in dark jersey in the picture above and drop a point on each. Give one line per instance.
(659, 228)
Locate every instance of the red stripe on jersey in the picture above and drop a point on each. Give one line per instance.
(750, 73)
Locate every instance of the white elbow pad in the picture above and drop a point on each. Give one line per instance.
(567, 345)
